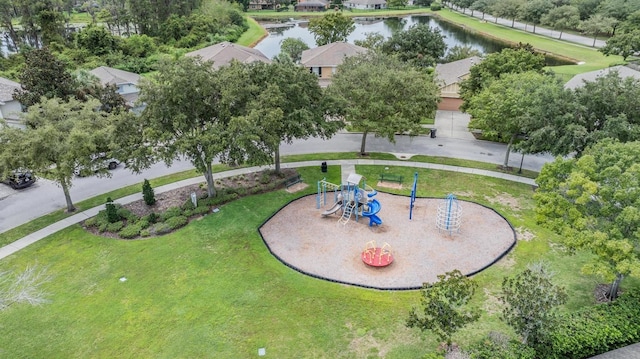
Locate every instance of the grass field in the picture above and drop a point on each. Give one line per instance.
(252, 36)
(14, 234)
(212, 289)
(589, 58)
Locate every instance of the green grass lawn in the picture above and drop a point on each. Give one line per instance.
(253, 35)
(590, 57)
(270, 14)
(212, 289)
(14, 234)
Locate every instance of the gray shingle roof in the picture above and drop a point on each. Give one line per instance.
(623, 72)
(111, 76)
(366, 2)
(330, 55)
(6, 89)
(452, 72)
(313, 3)
(223, 53)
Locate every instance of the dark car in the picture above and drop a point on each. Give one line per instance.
(19, 179)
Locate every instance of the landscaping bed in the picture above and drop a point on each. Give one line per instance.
(174, 209)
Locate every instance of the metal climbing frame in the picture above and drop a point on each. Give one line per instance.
(449, 215)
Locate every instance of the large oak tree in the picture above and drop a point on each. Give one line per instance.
(593, 203)
(379, 94)
(61, 137)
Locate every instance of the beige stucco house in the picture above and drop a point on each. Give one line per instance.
(324, 60)
(449, 76)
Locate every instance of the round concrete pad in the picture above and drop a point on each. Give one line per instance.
(321, 247)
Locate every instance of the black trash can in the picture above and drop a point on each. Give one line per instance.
(323, 167)
(433, 133)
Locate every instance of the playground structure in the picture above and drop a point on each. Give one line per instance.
(413, 194)
(449, 215)
(350, 198)
(377, 256)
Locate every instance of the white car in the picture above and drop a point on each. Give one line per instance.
(99, 162)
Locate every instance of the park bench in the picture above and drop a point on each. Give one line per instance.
(292, 180)
(388, 177)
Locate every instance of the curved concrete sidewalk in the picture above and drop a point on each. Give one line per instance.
(81, 216)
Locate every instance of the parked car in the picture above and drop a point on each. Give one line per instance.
(99, 162)
(19, 179)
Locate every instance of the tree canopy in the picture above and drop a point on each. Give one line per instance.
(61, 137)
(443, 306)
(331, 27)
(593, 203)
(531, 300)
(420, 45)
(183, 117)
(604, 108)
(410, 95)
(293, 48)
(562, 18)
(514, 105)
(624, 44)
(44, 76)
(509, 60)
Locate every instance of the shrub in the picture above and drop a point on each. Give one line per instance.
(151, 218)
(143, 223)
(595, 330)
(241, 191)
(148, 194)
(124, 213)
(145, 233)
(130, 231)
(101, 221)
(499, 346)
(112, 211)
(188, 205)
(187, 213)
(91, 222)
(265, 178)
(102, 227)
(171, 212)
(202, 209)
(176, 222)
(115, 227)
(159, 228)
(436, 6)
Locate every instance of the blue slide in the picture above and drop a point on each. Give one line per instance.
(374, 208)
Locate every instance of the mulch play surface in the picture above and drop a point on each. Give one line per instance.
(300, 236)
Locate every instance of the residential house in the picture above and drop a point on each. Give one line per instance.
(623, 71)
(312, 5)
(126, 84)
(261, 5)
(449, 76)
(324, 60)
(365, 4)
(223, 53)
(10, 109)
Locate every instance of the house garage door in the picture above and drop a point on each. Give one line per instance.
(450, 104)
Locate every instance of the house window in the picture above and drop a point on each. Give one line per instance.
(317, 71)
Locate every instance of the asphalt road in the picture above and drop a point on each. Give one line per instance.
(18, 207)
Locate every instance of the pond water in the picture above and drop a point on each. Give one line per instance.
(453, 35)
